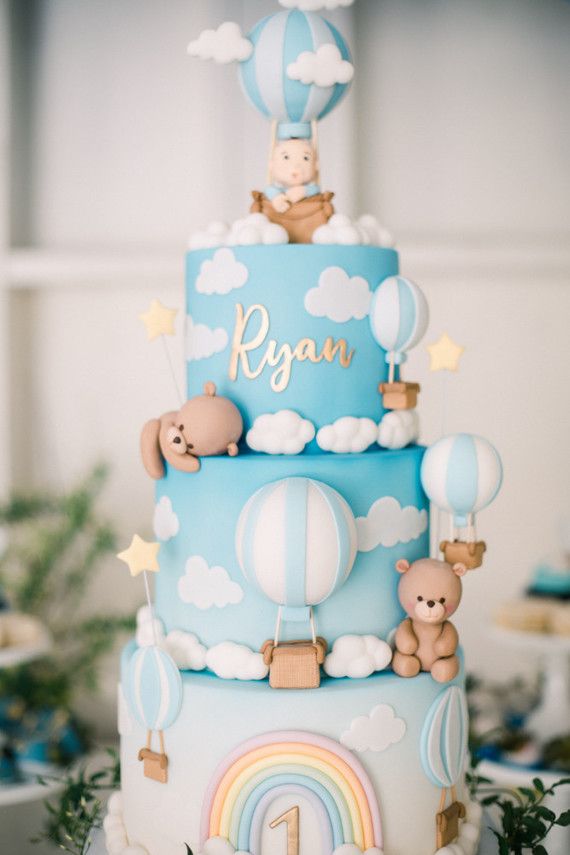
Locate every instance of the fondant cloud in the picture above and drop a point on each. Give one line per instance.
(339, 297)
(205, 587)
(357, 656)
(348, 435)
(353, 849)
(165, 522)
(250, 231)
(374, 732)
(398, 429)
(226, 44)
(115, 832)
(284, 432)
(388, 523)
(366, 231)
(186, 650)
(315, 5)
(325, 67)
(150, 630)
(236, 662)
(203, 341)
(218, 846)
(221, 274)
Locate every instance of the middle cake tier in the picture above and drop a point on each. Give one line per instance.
(201, 587)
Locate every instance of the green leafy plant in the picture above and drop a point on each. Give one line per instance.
(55, 546)
(524, 818)
(77, 811)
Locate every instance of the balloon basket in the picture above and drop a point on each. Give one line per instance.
(302, 219)
(400, 395)
(155, 763)
(294, 664)
(447, 820)
(461, 552)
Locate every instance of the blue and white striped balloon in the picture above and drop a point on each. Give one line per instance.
(462, 474)
(296, 542)
(154, 688)
(278, 41)
(399, 315)
(443, 744)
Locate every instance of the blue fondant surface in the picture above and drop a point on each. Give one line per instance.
(279, 278)
(208, 505)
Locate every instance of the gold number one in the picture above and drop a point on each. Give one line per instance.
(292, 820)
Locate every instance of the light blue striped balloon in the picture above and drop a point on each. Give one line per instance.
(278, 40)
(154, 688)
(399, 315)
(462, 474)
(296, 543)
(443, 744)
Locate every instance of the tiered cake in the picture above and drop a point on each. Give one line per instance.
(294, 532)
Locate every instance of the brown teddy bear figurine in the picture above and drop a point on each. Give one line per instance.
(206, 425)
(429, 592)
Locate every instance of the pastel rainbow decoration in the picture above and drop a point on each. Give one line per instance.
(399, 316)
(462, 474)
(443, 742)
(247, 782)
(154, 688)
(278, 40)
(296, 542)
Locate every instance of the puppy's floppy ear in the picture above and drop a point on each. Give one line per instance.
(403, 565)
(150, 449)
(459, 569)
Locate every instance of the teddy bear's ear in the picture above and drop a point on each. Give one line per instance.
(459, 569)
(402, 565)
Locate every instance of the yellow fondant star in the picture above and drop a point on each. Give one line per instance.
(141, 556)
(159, 320)
(445, 354)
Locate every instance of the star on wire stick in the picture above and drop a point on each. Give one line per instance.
(445, 354)
(158, 320)
(141, 556)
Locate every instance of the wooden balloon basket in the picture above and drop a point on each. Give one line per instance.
(397, 394)
(155, 763)
(294, 664)
(447, 819)
(469, 551)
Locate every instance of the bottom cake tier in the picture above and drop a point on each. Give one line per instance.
(355, 766)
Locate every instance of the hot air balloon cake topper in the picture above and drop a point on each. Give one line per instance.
(462, 474)
(296, 543)
(399, 315)
(294, 68)
(154, 685)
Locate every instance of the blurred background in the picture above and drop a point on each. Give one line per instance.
(115, 146)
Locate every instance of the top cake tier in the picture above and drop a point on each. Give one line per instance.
(286, 327)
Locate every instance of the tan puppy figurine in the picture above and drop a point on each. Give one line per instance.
(429, 592)
(204, 426)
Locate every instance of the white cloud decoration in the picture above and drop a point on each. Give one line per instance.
(203, 341)
(232, 661)
(224, 45)
(150, 630)
(357, 656)
(252, 230)
(353, 849)
(186, 650)
(324, 67)
(388, 523)
(339, 297)
(221, 274)
(219, 846)
(348, 435)
(284, 432)
(398, 429)
(374, 732)
(365, 231)
(205, 587)
(165, 522)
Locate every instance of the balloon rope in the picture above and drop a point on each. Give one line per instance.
(161, 740)
(312, 621)
(442, 800)
(150, 606)
(148, 738)
(315, 135)
(273, 138)
(392, 370)
(277, 627)
(172, 371)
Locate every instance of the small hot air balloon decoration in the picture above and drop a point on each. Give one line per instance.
(296, 543)
(462, 474)
(443, 750)
(399, 315)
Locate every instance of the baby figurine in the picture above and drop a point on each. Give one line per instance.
(294, 171)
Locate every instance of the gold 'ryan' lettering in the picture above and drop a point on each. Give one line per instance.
(280, 358)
